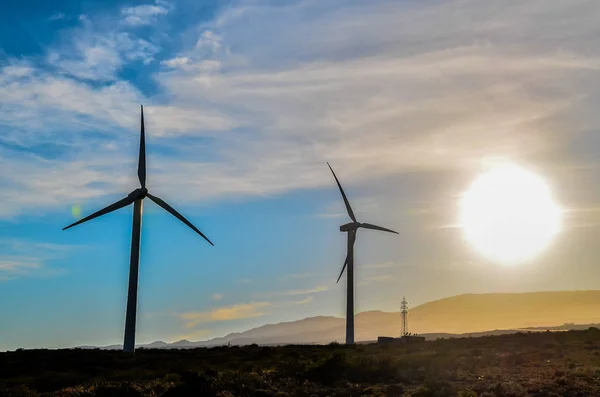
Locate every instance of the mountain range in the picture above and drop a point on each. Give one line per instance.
(462, 315)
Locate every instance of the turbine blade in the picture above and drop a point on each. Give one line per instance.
(113, 207)
(343, 268)
(142, 159)
(348, 208)
(375, 227)
(177, 215)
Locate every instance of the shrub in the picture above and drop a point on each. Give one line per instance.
(507, 389)
(122, 390)
(327, 370)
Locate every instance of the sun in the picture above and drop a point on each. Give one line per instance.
(508, 214)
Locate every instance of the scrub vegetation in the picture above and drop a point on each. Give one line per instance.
(522, 364)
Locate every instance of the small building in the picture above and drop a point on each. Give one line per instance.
(387, 340)
(412, 338)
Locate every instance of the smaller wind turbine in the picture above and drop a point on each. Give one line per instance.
(136, 198)
(351, 228)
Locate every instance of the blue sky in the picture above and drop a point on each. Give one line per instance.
(245, 101)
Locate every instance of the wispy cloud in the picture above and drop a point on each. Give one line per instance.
(21, 259)
(296, 276)
(244, 281)
(304, 301)
(18, 263)
(145, 14)
(289, 293)
(385, 265)
(50, 249)
(331, 215)
(360, 204)
(448, 226)
(226, 313)
(100, 55)
(244, 310)
(217, 297)
(57, 17)
(387, 277)
(320, 288)
(176, 62)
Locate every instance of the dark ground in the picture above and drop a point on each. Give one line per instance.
(536, 364)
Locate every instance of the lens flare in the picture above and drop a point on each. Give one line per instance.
(76, 211)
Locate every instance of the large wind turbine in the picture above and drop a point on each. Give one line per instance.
(136, 197)
(351, 228)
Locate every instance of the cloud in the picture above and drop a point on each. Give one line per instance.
(209, 40)
(319, 288)
(243, 310)
(400, 91)
(98, 55)
(51, 250)
(176, 62)
(423, 91)
(304, 301)
(385, 265)
(227, 313)
(296, 276)
(244, 281)
(331, 215)
(57, 17)
(21, 259)
(19, 263)
(448, 226)
(387, 277)
(295, 292)
(144, 14)
(217, 297)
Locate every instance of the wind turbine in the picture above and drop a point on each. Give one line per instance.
(351, 228)
(136, 198)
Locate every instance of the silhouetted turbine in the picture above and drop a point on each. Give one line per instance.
(351, 229)
(136, 197)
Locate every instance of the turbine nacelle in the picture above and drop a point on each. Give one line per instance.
(348, 227)
(139, 193)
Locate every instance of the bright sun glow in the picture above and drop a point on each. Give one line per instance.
(508, 214)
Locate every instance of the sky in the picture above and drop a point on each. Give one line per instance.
(245, 102)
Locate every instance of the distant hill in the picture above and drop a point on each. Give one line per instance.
(475, 314)
(480, 312)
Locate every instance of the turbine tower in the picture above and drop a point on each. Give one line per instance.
(351, 228)
(136, 198)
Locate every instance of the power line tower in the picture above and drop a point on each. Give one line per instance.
(404, 311)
